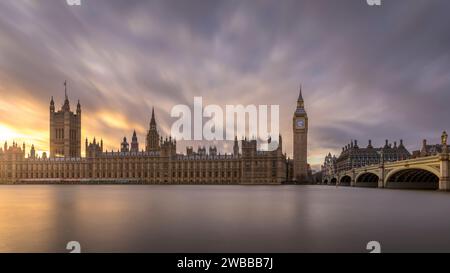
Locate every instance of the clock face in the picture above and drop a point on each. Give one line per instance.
(300, 123)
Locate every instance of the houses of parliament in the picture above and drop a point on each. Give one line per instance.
(159, 163)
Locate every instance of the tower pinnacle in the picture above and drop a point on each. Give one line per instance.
(52, 105)
(66, 106)
(300, 96)
(153, 120)
(65, 90)
(152, 141)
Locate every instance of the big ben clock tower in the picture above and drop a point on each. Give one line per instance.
(300, 132)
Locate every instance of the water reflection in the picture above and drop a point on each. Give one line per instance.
(221, 219)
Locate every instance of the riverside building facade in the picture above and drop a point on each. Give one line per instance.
(353, 156)
(159, 163)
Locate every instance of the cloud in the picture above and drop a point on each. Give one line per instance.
(367, 72)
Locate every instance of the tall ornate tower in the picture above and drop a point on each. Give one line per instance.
(153, 141)
(300, 132)
(134, 143)
(65, 129)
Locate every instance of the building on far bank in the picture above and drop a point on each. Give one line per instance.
(353, 156)
(158, 164)
(300, 127)
(65, 129)
(329, 167)
(429, 150)
(391, 167)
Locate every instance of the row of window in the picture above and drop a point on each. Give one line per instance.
(51, 175)
(106, 167)
(209, 165)
(59, 133)
(128, 174)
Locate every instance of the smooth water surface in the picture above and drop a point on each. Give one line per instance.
(140, 218)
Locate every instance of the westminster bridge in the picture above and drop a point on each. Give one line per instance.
(430, 172)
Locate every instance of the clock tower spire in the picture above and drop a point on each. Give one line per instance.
(300, 132)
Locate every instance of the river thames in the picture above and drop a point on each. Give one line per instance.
(140, 218)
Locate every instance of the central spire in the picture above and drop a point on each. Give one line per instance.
(153, 120)
(300, 102)
(153, 141)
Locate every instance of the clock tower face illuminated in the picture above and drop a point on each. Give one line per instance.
(300, 123)
(300, 132)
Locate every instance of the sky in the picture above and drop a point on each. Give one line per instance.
(367, 72)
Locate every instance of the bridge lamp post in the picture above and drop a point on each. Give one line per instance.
(444, 180)
(444, 139)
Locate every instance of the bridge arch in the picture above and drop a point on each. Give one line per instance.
(345, 180)
(414, 177)
(367, 179)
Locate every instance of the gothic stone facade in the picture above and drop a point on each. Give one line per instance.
(162, 167)
(158, 164)
(353, 156)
